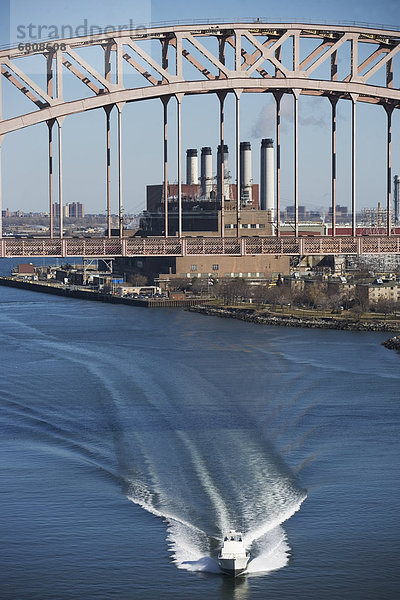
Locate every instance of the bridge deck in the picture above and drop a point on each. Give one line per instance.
(197, 246)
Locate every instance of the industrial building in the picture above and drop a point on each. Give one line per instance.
(205, 196)
(210, 203)
(246, 267)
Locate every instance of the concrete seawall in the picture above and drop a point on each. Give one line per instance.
(82, 294)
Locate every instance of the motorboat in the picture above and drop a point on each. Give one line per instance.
(233, 556)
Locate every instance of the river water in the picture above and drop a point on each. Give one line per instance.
(132, 438)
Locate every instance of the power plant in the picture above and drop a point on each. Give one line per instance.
(246, 176)
(225, 173)
(267, 178)
(207, 195)
(206, 177)
(192, 167)
(202, 193)
(204, 187)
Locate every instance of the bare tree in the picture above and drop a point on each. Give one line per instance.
(385, 306)
(335, 302)
(180, 284)
(137, 279)
(361, 299)
(233, 290)
(280, 295)
(315, 295)
(200, 285)
(261, 294)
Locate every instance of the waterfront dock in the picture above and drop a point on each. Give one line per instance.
(81, 293)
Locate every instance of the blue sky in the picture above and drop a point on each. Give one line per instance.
(74, 11)
(25, 153)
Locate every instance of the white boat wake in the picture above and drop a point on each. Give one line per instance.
(202, 470)
(259, 498)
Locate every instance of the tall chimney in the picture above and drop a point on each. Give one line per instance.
(206, 172)
(226, 172)
(267, 184)
(192, 167)
(246, 178)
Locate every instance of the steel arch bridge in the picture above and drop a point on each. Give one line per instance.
(259, 57)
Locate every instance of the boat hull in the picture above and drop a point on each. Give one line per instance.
(233, 566)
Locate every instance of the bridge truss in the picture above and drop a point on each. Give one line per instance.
(355, 64)
(204, 246)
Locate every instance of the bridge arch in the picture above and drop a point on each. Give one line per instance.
(249, 59)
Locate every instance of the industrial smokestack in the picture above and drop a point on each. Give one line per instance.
(246, 179)
(206, 172)
(192, 167)
(226, 172)
(267, 184)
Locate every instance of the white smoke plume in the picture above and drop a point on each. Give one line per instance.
(264, 126)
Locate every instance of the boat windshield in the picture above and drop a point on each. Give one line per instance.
(233, 537)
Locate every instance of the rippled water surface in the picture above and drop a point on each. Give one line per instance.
(133, 438)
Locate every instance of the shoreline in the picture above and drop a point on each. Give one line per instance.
(392, 343)
(83, 294)
(251, 316)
